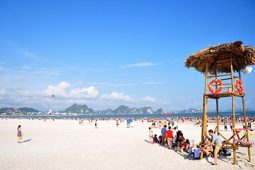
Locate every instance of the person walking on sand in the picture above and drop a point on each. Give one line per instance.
(216, 142)
(225, 126)
(150, 135)
(96, 124)
(19, 134)
(117, 123)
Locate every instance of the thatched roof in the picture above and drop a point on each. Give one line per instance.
(218, 57)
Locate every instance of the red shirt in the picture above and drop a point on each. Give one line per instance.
(169, 133)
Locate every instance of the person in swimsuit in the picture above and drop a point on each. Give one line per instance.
(19, 134)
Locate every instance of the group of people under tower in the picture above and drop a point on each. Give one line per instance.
(174, 139)
(170, 137)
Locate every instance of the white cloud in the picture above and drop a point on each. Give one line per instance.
(61, 90)
(89, 92)
(148, 99)
(58, 90)
(117, 96)
(2, 92)
(142, 64)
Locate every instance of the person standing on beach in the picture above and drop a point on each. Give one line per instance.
(179, 140)
(19, 134)
(163, 133)
(249, 124)
(225, 126)
(169, 137)
(96, 124)
(117, 123)
(150, 135)
(216, 142)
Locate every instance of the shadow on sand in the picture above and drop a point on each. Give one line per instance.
(27, 140)
(147, 141)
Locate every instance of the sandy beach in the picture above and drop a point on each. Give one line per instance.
(64, 144)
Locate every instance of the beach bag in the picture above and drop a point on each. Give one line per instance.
(196, 153)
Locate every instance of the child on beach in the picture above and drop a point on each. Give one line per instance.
(155, 139)
(19, 134)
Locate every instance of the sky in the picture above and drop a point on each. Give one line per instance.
(108, 53)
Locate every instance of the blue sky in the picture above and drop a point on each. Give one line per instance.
(106, 53)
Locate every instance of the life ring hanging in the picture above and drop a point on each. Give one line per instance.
(239, 86)
(219, 89)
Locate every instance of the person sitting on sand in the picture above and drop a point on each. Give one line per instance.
(155, 139)
(179, 140)
(207, 149)
(160, 139)
(19, 134)
(186, 145)
(216, 142)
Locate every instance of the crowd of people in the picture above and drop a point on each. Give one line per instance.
(173, 138)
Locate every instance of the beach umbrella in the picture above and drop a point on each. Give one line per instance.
(129, 121)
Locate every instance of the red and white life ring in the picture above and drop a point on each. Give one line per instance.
(239, 86)
(219, 89)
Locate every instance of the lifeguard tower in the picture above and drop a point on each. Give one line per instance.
(222, 67)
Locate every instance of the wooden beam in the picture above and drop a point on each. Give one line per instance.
(204, 118)
(245, 123)
(233, 110)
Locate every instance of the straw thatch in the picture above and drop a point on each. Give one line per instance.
(218, 58)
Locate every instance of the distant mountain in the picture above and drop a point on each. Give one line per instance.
(190, 110)
(22, 110)
(79, 109)
(84, 109)
(122, 109)
(27, 109)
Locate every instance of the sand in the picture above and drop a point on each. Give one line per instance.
(64, 144)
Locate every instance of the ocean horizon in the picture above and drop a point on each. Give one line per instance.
(137, 116)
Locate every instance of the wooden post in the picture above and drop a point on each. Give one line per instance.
(233, 110)
(218, 116)
(204, 116)
(245, 123)
(206, 101)
(217, 108)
